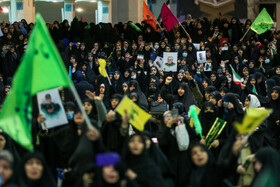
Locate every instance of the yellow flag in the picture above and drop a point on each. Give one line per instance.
(191, 120)
(137, 116)
(101, 68)
(253, 118)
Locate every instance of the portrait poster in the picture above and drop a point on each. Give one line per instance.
(50, 106)
(207, 67)
(170, 61)
(201, 56)
(158, 63)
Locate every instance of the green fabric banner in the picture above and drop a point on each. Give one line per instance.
(262, 23)
(41, 69)
(215, 131)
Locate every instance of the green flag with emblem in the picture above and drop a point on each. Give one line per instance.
(215, 131)
(41, 69)
(262, 23)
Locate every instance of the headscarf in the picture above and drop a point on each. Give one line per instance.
(207, 118)
(270, 84)
(142, 100)
(254, 101)
(7, 156)
(216, 95)
(269, 174)
(210, 89)
(160, 160)
(46, 180)
(93, 112)
(274, 105)
(230, 97)
(148, 173)
(10, 146)
(187, 99)
(205, 174)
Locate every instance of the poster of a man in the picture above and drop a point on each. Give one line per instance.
(170, 61)
(158, 63)
(201, 56)
(207, 67)
(50, 106)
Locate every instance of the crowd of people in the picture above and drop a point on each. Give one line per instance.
(114, 153)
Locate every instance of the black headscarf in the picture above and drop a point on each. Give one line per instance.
(270, 84)
(230, 97)
(269, 174)
(117, 83)
(66, 141)
(10, 146)
(216, 95)
(210, 83)
(160, 160)
(93, 112)
(148, 173)
(100, 182)
(187, 99)
(207, 118)
(46, 180)
(210, 89)
(142, 100)
(275, 105)
(206, 175)
(234, 114)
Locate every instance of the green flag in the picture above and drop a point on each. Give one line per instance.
(192, 113)
(254, 90)
(41, 69)
(135, 26)
(262, 23)
(215, 131)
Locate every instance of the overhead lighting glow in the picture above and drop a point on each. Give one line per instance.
(5, 10)
(79, 10)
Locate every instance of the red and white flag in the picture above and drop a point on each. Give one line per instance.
(236, 78)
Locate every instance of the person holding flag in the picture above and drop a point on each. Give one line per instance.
(134, 52)
(261, 24)
(149, 17)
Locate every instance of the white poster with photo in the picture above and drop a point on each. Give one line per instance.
(201, 56)
(207, 67)
(158, 63)
(197, 46)
(50, 106)
(170, 61)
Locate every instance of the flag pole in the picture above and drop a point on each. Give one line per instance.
(183, 28)
(80, 105)
(159, 25)
(108, 78)
(245, 33)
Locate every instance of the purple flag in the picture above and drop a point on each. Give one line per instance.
(182, 18)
